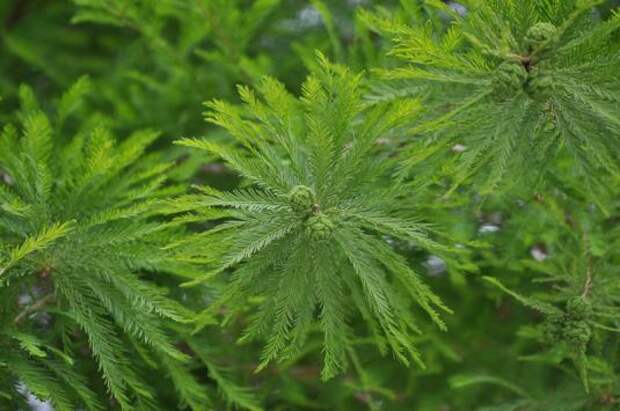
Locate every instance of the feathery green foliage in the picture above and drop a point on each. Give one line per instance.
(581, 316)
(81, 234)
(472, 161)
(515, 83)
(316, 224)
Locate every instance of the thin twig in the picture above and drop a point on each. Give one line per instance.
(34, 307)
(588, 284)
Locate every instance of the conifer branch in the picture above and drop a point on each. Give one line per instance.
(309, 229)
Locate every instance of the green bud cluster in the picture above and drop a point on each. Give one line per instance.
(571, 326)
(540, 85)
(539, 34)
(509, 80)
(553, 329)
(302, 198)
(577, 334)
(578, 308)
(319, 227)
(513, 77)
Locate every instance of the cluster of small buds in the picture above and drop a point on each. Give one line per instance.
(539, 35)
(540, 85)
(571, 326)
(513, 77)
(579, 308)
(302, 198)
(319, 227)
(509, 80)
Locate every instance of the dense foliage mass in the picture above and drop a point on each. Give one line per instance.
(392, 205)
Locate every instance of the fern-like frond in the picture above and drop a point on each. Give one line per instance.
(82, 230)
(516, 84)
(313, 230)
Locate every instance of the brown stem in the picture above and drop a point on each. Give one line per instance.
(34, 307)
(588, 283)
(587, 286)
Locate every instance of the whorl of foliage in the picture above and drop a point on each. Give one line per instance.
(514, 82)
(317, 224)
(80, 233)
